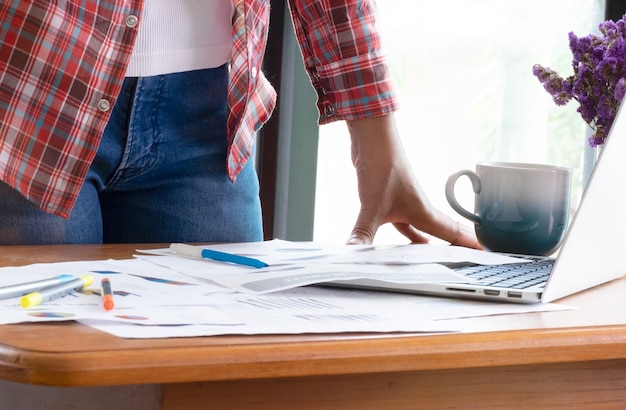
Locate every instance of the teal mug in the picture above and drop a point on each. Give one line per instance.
(518, 208)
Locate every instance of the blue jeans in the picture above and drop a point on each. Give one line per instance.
(159, 175)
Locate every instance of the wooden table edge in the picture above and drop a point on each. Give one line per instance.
(397, 353)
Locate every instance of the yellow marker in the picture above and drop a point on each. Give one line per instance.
(56, 292)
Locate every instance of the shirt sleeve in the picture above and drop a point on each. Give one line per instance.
(343, 56)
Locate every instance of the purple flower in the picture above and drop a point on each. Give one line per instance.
(598, 82)
(620, 90)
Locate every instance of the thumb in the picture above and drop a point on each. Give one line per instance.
(364, 230)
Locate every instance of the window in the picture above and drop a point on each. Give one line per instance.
(464, 71)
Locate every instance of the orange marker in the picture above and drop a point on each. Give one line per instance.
(107, 294)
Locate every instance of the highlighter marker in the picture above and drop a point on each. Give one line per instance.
(22, 289)
(107, 294)
(56, 292)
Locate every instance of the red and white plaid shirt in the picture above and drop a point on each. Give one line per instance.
(62, 65)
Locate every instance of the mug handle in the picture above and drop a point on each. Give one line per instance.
(476, 186)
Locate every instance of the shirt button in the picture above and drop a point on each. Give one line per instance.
(131, 21)
(253, 72)
(104, 105)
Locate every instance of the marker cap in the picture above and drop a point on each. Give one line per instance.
(87, 280)
(108, 304)
(32, 299)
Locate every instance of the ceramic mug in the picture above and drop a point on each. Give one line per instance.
(518, 208)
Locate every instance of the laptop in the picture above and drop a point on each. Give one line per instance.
(593, 250)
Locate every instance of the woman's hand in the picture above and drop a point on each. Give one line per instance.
(389, 191)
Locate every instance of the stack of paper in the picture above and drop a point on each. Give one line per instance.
(161, 294)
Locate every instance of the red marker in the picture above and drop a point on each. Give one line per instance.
(107, 294)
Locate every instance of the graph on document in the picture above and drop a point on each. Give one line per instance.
(273, 303)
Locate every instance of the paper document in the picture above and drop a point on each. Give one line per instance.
(160, 295)
(279, 251)
(295, 264)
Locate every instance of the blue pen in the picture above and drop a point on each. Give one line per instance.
(198, 252)
(21, 289)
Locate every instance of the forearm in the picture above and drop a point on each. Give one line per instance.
(375, 138)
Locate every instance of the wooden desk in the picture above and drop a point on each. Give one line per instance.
(569, 359)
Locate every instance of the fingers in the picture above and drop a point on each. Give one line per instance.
(361, 236)
(414, 235)
(438, 224)
(452, 231)
(466, 237)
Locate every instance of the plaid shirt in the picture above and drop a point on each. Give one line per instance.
(62, 65)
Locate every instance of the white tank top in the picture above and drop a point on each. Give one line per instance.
(182, 35)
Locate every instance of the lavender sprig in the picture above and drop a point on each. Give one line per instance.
(598, 82)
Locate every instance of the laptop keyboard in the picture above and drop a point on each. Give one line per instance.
(515, 276)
